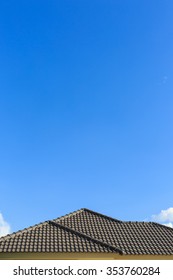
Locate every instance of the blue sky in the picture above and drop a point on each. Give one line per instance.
(86, 109)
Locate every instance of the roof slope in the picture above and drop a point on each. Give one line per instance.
(130, 237)
(88, 231)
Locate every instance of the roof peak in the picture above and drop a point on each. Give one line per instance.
(78, 211)
(101, 215)
(90, 211)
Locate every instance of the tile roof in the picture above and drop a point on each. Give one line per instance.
(88, 231)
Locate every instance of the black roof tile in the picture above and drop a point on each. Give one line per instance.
(88, 231)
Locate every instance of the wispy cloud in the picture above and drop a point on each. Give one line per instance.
(165, 217)
(4, 226)
(165, 78)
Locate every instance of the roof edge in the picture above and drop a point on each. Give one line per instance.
(10, 235)
(102, 215)
(161, 225)
(68, 215)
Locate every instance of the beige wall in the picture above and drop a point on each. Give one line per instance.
(80, 256)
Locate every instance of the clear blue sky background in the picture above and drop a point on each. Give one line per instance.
(86, 108)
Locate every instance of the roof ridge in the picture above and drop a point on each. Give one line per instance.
(68, 215)
(86, 236)
(10, 235)
(161, 225)
(102, 215)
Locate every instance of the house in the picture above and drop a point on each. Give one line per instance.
(85, 234)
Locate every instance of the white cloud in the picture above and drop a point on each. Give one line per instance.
(165, 217)
(4, 226)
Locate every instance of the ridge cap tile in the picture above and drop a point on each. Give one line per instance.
(19, 232)
(161, 225)
(153, 230)
(102, 215)
(84, 235)
(69, 214)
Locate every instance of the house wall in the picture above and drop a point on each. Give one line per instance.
(80, 256)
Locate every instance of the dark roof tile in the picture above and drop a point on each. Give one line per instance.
(88, 231)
